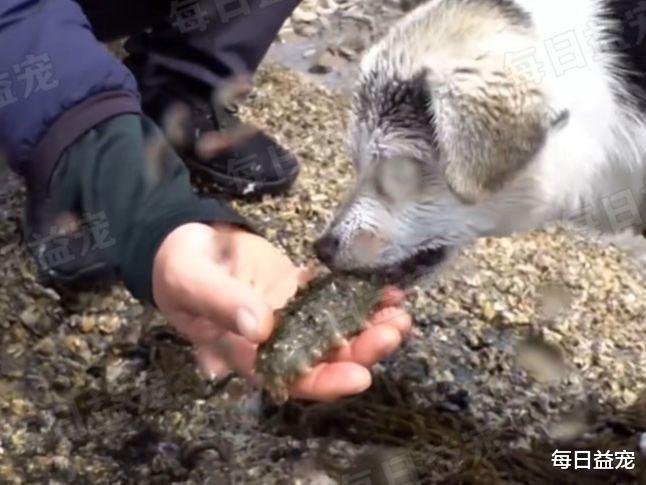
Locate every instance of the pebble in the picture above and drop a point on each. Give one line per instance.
(88, 323)
(45, 346)
(109, 323)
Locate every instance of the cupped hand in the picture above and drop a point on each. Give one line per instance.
(219, 286)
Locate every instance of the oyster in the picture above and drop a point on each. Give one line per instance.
(330, 310)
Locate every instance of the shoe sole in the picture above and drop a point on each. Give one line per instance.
(90, 275)
(243, 187)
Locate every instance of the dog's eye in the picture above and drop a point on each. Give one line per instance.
(400, 179)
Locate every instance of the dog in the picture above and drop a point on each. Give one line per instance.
(481, 118)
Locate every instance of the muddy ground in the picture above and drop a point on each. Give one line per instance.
(523, 346)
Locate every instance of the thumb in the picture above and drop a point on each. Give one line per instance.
(230, 303)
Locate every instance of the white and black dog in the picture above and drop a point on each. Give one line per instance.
(477, 118)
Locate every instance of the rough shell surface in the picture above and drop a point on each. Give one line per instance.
(321, 317)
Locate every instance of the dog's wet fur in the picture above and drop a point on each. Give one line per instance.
(466, 122)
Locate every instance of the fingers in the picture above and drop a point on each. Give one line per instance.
(279, 293)
(276, 287)
(229, 352)
(370, 346)
(331, 381)
(305, 275)
(395, 317)
(283, 291)
(200, 331)
(347, 372)
(190, 278)
(266, 268)
(391, 296)
(384, 336)
(211, 365)
(228, 303)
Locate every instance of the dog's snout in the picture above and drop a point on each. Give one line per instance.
(326, 248)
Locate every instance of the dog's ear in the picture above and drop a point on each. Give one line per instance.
(490, 123)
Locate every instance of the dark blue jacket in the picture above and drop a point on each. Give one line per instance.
(56, 82)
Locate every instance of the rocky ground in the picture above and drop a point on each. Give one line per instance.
(523, 346)
(324, 39)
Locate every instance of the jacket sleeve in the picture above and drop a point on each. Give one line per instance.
(125, 169)
(70, 123)
(56, 82)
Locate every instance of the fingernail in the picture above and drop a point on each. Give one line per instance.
(248, 324)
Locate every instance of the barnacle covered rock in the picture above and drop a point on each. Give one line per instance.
(320, 318)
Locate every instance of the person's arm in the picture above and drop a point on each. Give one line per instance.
(71, 108)
(56, 82)
(217, 283)
(70, 124)
(125, 170)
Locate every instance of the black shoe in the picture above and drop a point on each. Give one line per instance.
(254, 166)
(69, 251)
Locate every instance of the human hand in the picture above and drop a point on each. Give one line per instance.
(219, 286)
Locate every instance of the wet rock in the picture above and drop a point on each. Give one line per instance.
(326, 62)
(45, 346)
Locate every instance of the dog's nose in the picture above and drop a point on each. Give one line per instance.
(326, 248)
